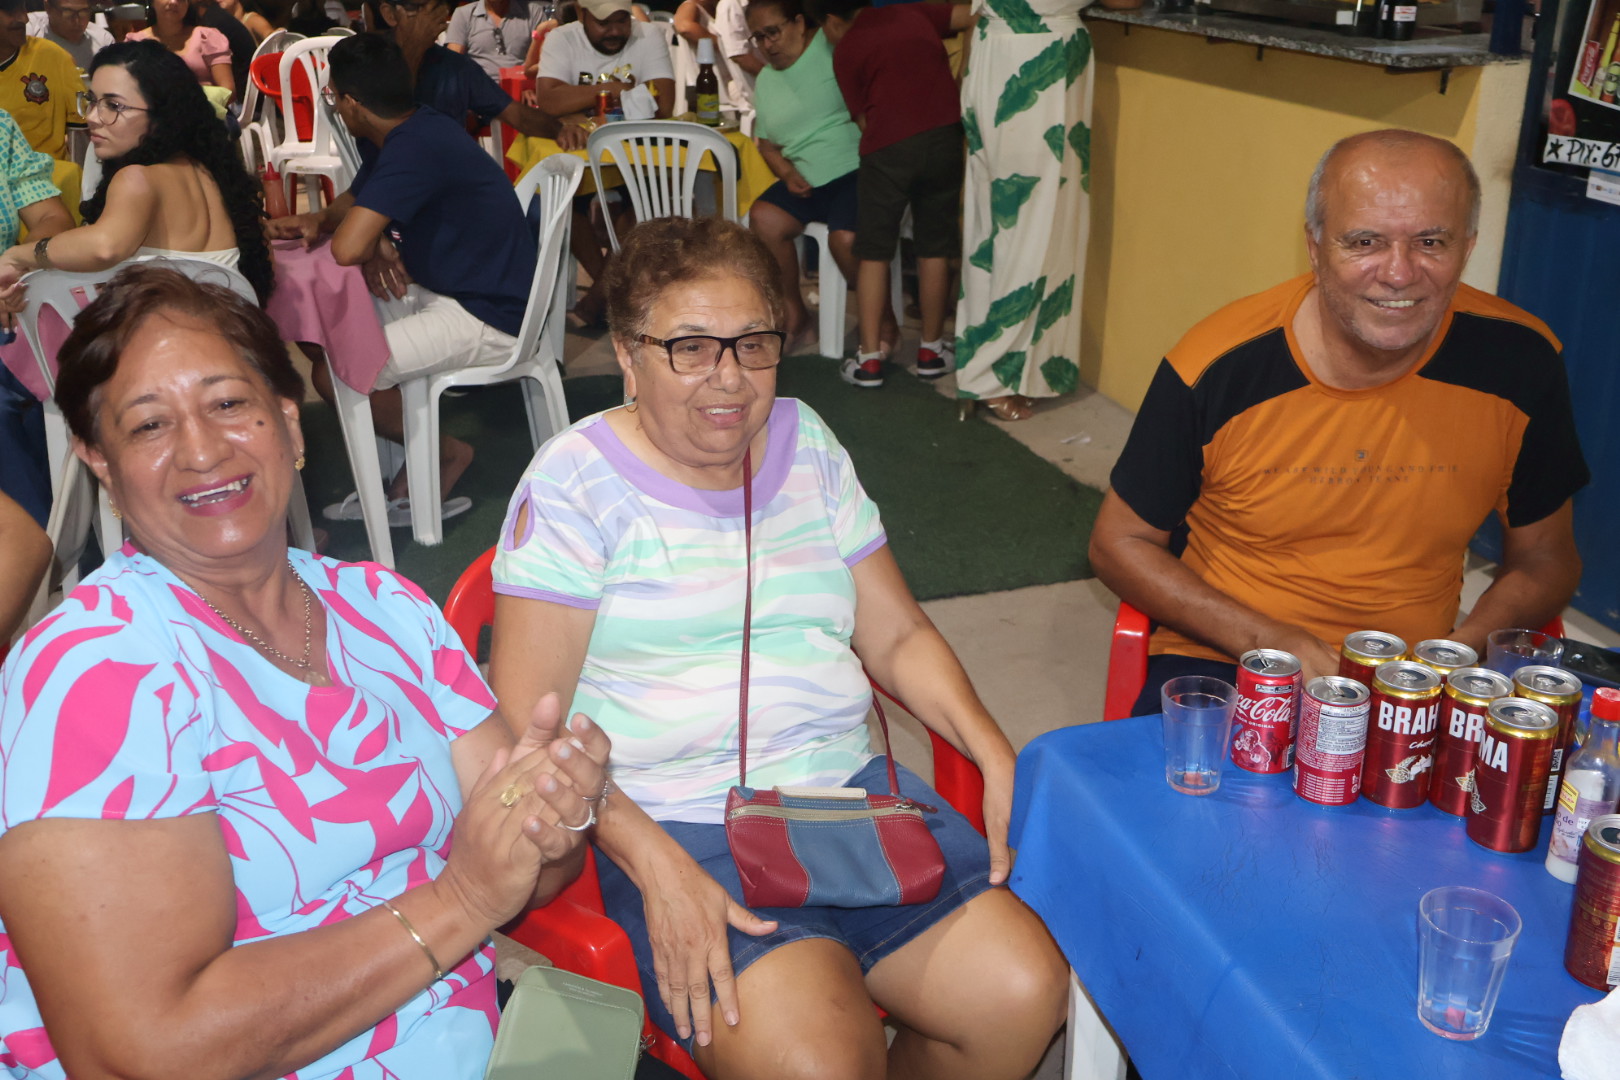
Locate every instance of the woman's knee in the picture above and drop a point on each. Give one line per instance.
(806, 1015)
(773, 224)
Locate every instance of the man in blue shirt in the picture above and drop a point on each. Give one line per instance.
(437, 228)
(452, 82)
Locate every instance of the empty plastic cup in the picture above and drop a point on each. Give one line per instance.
(1465, 937)
(1509, 650)
(1197, 731)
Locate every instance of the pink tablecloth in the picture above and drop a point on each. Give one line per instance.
(19, 358)
(317, 300)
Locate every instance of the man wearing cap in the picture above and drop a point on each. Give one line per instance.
(605, 41)
(634, 57)
(1314, 459)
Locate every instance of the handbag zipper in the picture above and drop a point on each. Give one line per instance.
(802, 813)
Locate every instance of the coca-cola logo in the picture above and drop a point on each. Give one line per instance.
(1276, 710)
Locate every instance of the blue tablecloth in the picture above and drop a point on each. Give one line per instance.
(1249, 934)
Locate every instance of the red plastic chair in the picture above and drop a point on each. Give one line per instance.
(573, 931)
(266, 74)
(1128, 659)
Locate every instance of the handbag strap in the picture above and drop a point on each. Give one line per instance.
(747, 650)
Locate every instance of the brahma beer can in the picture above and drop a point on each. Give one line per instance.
(1510, 774)
(1560, 690)
(1364, 650)
(1467, 698)
(1267, 711)
(1592, 953)
(1332, 738)
(1400, 734)
(1444, 656)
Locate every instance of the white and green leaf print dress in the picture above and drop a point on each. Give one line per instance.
(1026, 106)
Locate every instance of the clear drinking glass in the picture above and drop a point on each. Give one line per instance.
(1509, 650)
(1465, 937)
(1197, 731)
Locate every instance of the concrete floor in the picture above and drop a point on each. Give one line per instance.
(1038, 656)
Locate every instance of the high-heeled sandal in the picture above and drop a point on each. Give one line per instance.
(1009, 408)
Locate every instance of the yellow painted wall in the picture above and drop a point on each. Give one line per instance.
(1200, 154)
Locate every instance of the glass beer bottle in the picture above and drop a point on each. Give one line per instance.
(707, 87)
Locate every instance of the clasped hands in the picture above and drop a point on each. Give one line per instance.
(532, 806)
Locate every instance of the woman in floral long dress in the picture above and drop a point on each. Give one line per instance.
(1026, 106)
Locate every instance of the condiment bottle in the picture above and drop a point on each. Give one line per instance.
(707, 86)
(1591, 785)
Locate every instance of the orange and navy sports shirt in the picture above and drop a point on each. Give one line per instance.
(1342, 510)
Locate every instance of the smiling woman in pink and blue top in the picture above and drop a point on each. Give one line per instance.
(232, 771)
(622, 573)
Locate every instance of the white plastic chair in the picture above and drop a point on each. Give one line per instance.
(261, 127)
(833, 290)
(348, 151)
(318, 155)
(76, 503)
(536, 358)
(658, 160)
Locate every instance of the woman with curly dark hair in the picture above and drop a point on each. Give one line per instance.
(172, 185)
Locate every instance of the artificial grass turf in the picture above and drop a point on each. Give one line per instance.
(968, 508)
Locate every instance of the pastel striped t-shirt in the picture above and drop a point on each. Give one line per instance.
(134, 701)
(661, 564)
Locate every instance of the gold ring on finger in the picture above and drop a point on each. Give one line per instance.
(512, 793)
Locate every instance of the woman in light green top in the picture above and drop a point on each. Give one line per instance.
(807, 137)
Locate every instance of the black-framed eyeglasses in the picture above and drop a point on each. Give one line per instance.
(76, 14)
(89, 105)
(767, 33)
(699, 354)
(500, 42)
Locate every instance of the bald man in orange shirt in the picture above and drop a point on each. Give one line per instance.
(1314, 459)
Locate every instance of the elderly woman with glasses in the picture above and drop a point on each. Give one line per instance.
(627, 571)
(258, 816)
(171, 186)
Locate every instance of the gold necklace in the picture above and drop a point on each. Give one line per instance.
(259, 642)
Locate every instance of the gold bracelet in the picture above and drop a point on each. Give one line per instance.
(438, 972)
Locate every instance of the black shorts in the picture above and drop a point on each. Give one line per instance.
(834, 202)
(924, 171)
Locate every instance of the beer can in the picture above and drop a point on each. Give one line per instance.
(1510, 774)
(602, 103)
(1444, 656)
(1592, 951)
(1364, 650)
(1465, 700)
(1562, 691)
(1332, 738)
(1267, 712)
(1404, 712)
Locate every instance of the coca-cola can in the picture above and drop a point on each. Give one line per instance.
(1444, 656)
(1464, 704)
(1267, 711)
(1592, 951)
(1364, 650)
(1560, 690)
(1332, 737)
(1510, 774)
(1400, 734)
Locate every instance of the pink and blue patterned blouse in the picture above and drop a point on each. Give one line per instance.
(134, 701)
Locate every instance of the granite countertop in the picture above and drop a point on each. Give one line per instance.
(1426, 52)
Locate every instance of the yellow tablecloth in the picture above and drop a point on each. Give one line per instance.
(753, 175)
